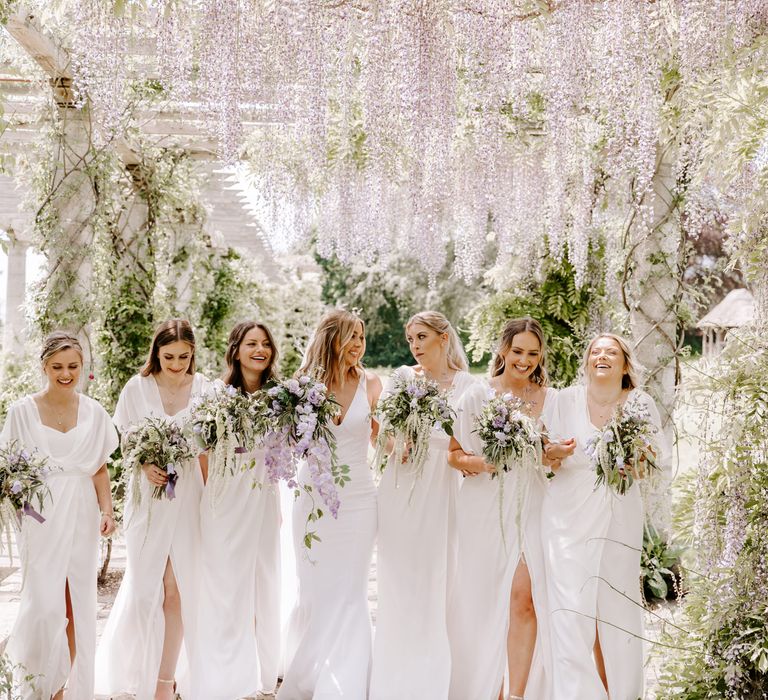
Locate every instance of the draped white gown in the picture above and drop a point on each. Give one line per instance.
(328, 649)
(64, 549)
(592, 540)
(478, 620)
(128, 658)
(415, 563)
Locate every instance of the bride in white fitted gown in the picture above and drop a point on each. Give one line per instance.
(328, 649)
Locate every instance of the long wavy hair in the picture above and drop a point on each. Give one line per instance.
(233, 375)
(323, 358)
(169, 332)
(633, 370)
(508, 333)
(434, 320)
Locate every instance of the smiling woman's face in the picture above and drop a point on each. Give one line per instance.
(175, 358)
(606, 360)
(63, 368)
(523, 356)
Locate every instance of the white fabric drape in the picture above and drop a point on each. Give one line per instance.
(487, 560)
(416, 557)
(593, 539)
(63, 549)
(128, 658)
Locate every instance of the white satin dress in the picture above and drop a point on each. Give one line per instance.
(129, 654)
(592, 539)
(63, 549)
(328, 649)
(415, 565)
(479, 610)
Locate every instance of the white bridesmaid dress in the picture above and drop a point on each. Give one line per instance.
(63, 549)
(128, 658)
(592, 540)
(328, 649)
(479, 610)
(415, 563)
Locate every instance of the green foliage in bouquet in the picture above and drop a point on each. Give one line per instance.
(660, 567)
(723, 647)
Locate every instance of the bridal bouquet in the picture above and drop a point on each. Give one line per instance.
(508, 434)
(22, 483)
(407, 415)
(623, 449)
(510, 442)
(299, 411)
(225, 422)
(160, 442)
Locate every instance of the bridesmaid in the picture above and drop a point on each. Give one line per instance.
(417, 538)
(54, 637)
(500, 597)
(154, 612)
(329, 638)
(593, 537)
(240, 514)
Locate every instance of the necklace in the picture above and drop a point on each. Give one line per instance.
(60, 414)
(443, 378)
(524, 397)
(171, 397)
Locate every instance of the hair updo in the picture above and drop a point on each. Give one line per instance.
(58, 341)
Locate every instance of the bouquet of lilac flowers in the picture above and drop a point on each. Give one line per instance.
(619, 450)
(299, 411)
(22, 483)
(225, 422)
(509, 435)
(511, 442)
(408, 414)
(160, 442)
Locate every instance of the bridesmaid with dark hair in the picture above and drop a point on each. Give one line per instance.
(239, 616)
(154, 612)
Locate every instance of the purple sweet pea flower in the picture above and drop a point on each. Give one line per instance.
(16, 487)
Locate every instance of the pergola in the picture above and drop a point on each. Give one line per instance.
(229, 220)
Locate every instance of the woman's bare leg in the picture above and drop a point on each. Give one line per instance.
(521, 638)
(174, 635)
(70, 634)
(599, 661)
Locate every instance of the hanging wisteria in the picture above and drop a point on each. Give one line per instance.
(414, 122)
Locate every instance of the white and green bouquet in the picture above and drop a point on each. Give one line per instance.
(511, 443)
(22, 484)
(225, 422)
(406, 415)
(160, 442)
(624, 449)
(299, 411)
(509, 435)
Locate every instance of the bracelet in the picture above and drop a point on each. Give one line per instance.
(110, 515)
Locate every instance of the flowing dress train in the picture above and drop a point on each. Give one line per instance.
(129, 654)
(592, 541)
(328, 648)
(415, 563)
(487, 561)
(62, 550)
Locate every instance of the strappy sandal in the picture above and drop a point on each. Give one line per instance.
(168, 682)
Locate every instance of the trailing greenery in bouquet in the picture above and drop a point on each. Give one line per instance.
(226, 422)
(623, 451)
(160, 442)
(407, 416)
(22, 484)
(299, 411)
(511, 441)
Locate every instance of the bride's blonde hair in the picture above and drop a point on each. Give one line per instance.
(434, 320)
(323, 358)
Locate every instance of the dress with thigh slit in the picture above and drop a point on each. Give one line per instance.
(62, 550)
(478, 621)
(129, 654)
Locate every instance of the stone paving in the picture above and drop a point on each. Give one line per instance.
(10, 585)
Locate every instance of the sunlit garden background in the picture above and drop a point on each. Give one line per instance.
(596, 164)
